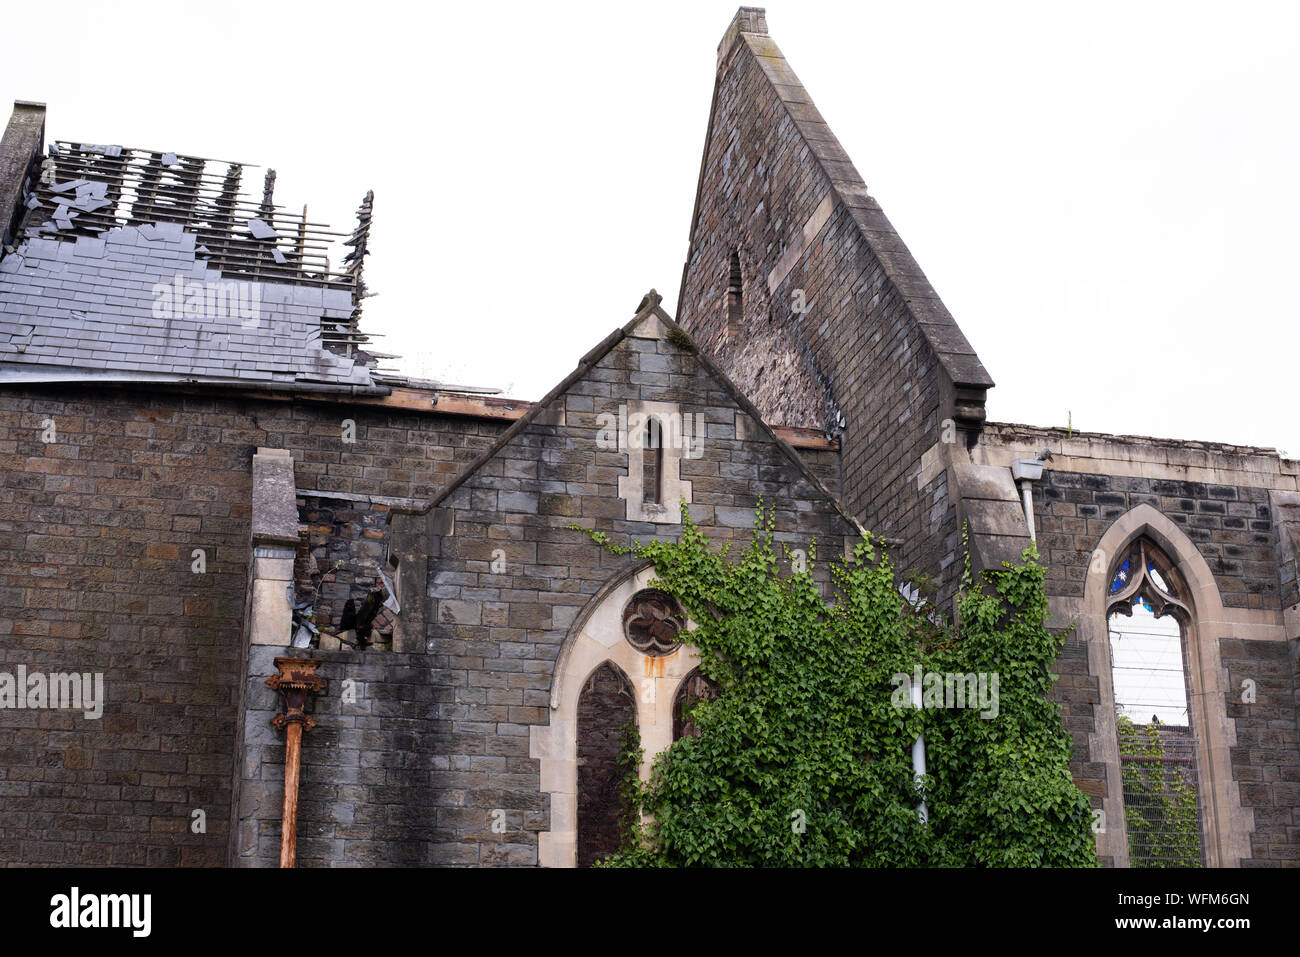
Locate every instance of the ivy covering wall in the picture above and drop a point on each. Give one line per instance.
(805, 758)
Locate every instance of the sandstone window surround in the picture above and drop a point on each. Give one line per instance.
(598, 637)
(1226, 826)
(1148, 672)
(670, 443)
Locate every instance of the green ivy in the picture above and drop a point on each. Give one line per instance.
(1159, 802)
(630, 755)
(805, 758)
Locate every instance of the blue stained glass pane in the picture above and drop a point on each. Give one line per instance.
(1121, 578)
(1157, 577)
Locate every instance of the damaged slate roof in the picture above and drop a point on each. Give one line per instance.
(145, 266)
(115, 303)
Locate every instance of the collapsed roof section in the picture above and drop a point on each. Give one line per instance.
(141, 300)
(131, 264)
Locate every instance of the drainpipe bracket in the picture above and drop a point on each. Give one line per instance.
(295, 680)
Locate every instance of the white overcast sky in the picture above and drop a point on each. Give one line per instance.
(1105, 194)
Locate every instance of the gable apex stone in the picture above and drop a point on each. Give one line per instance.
(750, 20)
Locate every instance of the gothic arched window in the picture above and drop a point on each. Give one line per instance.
(622, 663)
(693, 689)
(1148, 616)
(606, 706)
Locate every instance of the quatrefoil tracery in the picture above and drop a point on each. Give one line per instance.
(652, 621)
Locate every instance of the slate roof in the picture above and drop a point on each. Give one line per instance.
(118, 303)
(127, 264)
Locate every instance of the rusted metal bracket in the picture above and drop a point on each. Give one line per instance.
(295, 680)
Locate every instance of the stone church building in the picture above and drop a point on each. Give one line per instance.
(206, 467)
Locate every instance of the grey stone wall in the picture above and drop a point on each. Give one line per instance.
(1266, 759)
(1232, 527)
(370, 775)
(97, 533)
(859, 351)
(450, 743)
(1077, 691)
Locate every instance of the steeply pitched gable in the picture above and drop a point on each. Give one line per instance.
(830, 323)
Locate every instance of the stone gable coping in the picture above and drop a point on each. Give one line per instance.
(648, 310)
(1193, 461)
(968, 379)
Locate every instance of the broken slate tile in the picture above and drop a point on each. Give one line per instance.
(64, 187)
(94, 188)
(91, 204)
(261, 230)
(155, 232)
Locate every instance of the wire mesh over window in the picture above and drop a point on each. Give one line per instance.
(1157, 745)
(1158, 770)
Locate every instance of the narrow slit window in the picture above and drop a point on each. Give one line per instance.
(735, 297)
(652, 462)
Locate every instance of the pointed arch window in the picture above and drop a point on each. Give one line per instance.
(624, 661)
(1149, 617)
(693, 689)
(606, 706)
